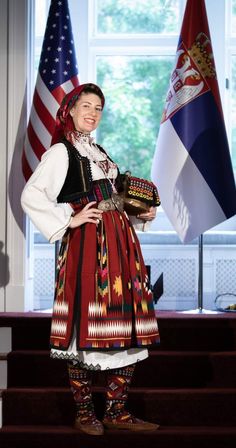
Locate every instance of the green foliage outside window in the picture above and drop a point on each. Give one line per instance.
(138, 16)
(135, 89)
(234, 9)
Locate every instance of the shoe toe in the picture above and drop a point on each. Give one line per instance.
(95, 428)
(138, 425)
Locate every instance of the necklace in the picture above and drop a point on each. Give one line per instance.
(82, 137)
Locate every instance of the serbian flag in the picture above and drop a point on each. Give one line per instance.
(192, 166)
(57, 75)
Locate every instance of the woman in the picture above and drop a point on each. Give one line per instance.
(103, 316)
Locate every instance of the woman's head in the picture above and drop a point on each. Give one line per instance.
(80, 110)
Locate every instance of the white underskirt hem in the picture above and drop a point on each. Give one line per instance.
(100, 360)
(96, 360)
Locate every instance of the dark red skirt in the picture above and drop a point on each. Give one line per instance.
(102, 289)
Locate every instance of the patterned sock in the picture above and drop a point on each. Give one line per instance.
(117, 394)
(80, 383)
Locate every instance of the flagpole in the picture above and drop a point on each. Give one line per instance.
(200, 308)
(200, 273)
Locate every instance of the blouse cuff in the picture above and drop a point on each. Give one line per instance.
(59, 234)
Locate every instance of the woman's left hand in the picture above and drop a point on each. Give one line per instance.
(148, 216)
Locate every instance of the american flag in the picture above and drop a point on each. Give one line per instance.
(57, 75)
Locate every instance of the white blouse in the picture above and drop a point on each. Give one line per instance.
(39, 201)
(39, 197)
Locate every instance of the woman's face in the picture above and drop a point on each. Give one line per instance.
(87, 112)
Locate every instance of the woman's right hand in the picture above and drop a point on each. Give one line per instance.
(87, 214)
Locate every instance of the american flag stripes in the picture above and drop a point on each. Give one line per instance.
(57, 75)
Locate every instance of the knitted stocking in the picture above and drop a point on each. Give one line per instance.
(81, 387)
(117, 394)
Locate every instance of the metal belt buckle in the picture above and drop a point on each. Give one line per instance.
(106, 205)
(118, 201)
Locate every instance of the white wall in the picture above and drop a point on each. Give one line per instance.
(3, 133)
(13, 52)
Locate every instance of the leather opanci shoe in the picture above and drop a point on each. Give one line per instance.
(94, 428)
(132, 424)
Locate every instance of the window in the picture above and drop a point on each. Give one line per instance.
(137, 17)
(132, 107)
(233, 17)
(133, 46)
(40, 17)
(128, 47)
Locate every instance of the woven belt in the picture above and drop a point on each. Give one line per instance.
(115, 202)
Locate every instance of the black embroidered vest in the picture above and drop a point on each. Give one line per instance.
(78, 181)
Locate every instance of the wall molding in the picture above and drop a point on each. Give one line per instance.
(13, 77)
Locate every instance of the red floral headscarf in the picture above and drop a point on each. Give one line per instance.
(64, 122)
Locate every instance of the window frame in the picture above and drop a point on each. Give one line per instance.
(90, 45)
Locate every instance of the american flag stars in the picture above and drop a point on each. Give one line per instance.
(62, 54)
